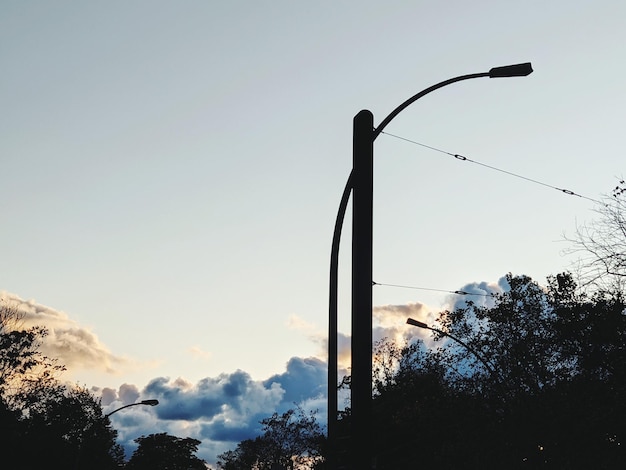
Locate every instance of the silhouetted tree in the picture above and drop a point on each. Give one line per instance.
(543, 383)
(47, 423)
(602, 243)
(292, 440)
(69, 427)
(165, 452)
(25, 373)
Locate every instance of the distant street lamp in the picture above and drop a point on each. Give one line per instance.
(499, 380)
(360, 184)
(478, 355)
(151, 402)
(142, 402)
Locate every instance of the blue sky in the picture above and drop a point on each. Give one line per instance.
(172, 172)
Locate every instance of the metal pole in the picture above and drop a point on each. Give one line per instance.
(331, 458)
(362, 197)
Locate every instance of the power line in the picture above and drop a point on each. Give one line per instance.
(457, 292)
(466, 159)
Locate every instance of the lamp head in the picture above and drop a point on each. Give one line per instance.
(517, 70)
(150, 402)
(417, 323)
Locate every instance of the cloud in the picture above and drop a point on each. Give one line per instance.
(231, 395)
(320, 338)
(305, 378)
(198, 353)
(480, 293)
(128, 394)
(219, 411)
(343, 353)
(75, 346)
(313, 334)
(234, 404)
(390, 321)
(108, 395)
(296, 323)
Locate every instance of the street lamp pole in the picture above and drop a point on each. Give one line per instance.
(361, 184)
(362, 198)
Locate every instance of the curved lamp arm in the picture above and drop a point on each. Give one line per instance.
(478, 356)
(143, 402)
(517, 70)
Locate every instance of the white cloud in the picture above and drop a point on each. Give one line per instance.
(481, 293)
(198, 353)
(73, 345)
(390, 321)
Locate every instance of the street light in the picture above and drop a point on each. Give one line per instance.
(499, 380)
(478, 355)
(150, 402)
(360, 184)
(142, 402)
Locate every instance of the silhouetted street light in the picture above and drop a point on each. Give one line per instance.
(478, 355)
(360, 184)
(142, 402)
(150, 402)
(496, 375)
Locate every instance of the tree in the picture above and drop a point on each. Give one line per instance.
(543, 383)
(602, 244)
(25, 373)
(292, 440)
(165, 452)
(48, 423)
(69, 427)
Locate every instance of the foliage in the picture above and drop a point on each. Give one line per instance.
(292, 440)
(165, 452)
(602, 243)
(542, 382)
(48, 423)
(70, 427)
(25, 373)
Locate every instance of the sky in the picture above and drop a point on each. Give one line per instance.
(171, 174)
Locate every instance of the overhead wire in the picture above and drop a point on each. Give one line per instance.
(457, 292)
(466, 159)
(510, 173)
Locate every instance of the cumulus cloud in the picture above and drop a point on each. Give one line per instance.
(198, 353)
(75, 346)
(320, 337)
(112, 399)
(219, 411)
(390, 321)
(481, 293)
(128, 394)
(232, 395)
(305, 378)
(107, 395)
